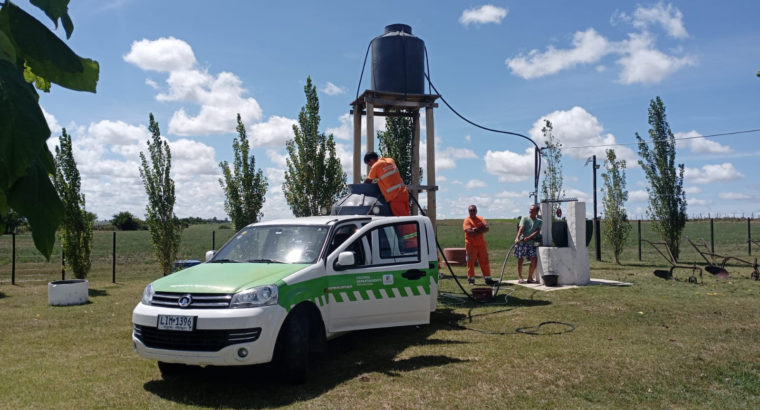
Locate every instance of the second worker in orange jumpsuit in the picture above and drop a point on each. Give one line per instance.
(384, 172)
(475, 245)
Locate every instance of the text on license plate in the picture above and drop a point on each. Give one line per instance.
(175, 322)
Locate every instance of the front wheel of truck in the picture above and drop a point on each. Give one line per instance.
(291, 353)
(172, 371)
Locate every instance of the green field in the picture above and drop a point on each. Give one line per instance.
(654, 344)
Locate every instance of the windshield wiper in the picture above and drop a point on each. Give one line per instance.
(223, 261)
(263, 260)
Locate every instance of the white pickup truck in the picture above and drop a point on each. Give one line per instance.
(278, 290)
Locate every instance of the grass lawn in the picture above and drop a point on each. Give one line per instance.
(654, 344)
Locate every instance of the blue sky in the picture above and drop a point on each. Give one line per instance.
(591, 67)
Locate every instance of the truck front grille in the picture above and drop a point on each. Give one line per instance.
(198, 300)
(197, 340)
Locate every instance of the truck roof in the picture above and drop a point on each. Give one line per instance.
(322, 220)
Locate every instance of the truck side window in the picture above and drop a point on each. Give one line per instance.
(398, 242)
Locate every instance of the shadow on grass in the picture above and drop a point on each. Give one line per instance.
(2, 295)
(356, 355)
(96, 292)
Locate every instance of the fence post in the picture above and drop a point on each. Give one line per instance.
(63, 264)
(213, 240)
(639, 225)
(113, 260)
(749, 238)
(13, 259)
(712, 236)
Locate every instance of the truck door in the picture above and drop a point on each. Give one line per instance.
(388, 284)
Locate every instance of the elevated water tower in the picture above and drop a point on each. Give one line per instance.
(398, 89)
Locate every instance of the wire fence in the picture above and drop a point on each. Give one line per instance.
(118, 255)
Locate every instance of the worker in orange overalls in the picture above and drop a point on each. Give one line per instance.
(384, 172)
(475, 245)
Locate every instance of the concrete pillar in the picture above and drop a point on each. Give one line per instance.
(370, 129)
(357, 144)
(430, 125)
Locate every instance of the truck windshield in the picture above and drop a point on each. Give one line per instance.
(274, 244)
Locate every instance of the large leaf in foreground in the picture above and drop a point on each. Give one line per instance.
(46, 54)
(34, 197)
(23, 129)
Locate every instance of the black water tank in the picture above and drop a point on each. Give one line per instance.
(398, 61)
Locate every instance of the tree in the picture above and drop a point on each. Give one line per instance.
(397, 142)
(165, 228)
(615, 222)
(76, 230)
(12, 222)
(314, 178)
(667, 199)
(551, 186)
(31, 54)
(125, 221)
(243, 186)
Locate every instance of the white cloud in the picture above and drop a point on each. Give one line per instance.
(107, 155)
(712, 173)
(642, 63)
(191, 159)
(444, 159)
(638, 196)
(509, 166)
(52, 122)
(670, 18)
(163, 55)
(700, 145)
(220, 97)
(275, 206)
(482, 15)
(345, 131)
(277, 158)
(272, 133)
(640, 60)
(475, 183)
(576, 127)
(692, 190)
(332, 89)
(733, 196)
(589, 47)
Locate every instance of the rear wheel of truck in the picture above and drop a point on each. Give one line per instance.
(291, 353)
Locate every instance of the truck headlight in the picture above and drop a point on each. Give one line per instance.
(147, 295)
(259, 296)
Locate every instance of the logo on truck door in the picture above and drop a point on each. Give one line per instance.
(388, 279)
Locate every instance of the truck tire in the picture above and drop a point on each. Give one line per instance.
(172, 371)
(291, 353)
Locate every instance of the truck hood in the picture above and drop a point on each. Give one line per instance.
(225, 277)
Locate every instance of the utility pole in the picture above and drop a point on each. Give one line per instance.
(597, 238)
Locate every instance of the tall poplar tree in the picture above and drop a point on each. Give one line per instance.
(397, 142)
(76, 230)
(244, 186)
(551, 186)
(667, 198)
(314, 178)
(165, 229)
(615, 223)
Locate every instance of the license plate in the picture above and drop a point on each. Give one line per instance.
(175, 322)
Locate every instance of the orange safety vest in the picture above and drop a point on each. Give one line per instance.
(474, 239)
(385, 173)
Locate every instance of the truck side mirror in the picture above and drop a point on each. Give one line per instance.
(345, 260)
(209, 255)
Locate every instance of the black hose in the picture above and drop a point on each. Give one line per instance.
(535, 330)
(438, 245)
